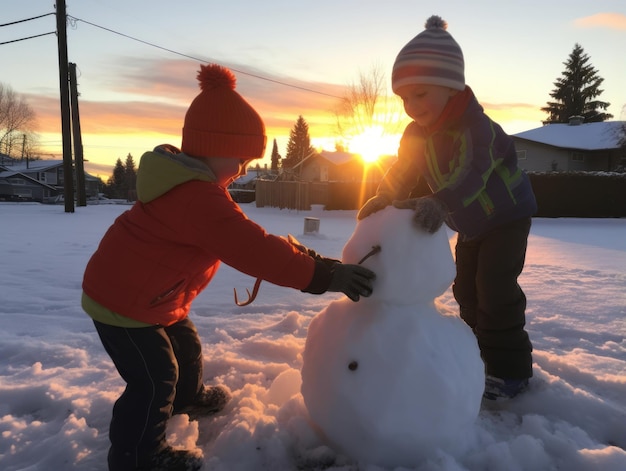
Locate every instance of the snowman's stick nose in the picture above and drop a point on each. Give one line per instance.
(374, 251)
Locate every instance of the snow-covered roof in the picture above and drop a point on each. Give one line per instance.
(9, 174)
(587, 136)
(337, 157)
(12, 174)
(23, 165)
(251, 174)
(247, 178)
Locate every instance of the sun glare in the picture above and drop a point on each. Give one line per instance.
(373, 143)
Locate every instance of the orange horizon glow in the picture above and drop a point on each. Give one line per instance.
(373, 143)
(114, 130)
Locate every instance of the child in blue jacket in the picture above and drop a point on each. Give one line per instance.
(468, 166)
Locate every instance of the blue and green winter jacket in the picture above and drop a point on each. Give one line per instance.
(469, 163)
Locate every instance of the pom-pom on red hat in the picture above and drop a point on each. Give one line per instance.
(219, 122)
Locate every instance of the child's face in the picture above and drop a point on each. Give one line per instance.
(424, 103)
(227, 170)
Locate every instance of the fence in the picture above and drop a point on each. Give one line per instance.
(559, 194)
(290, 195)
(580, 194)
(301, 195)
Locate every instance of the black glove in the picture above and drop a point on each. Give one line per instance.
(429, 212)
(373, 205)
(352, 280)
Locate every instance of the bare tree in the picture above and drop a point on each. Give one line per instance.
(367, 105)
(17, 122)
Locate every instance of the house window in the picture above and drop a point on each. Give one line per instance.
(42, 177)
(578, 157)
(521, 154)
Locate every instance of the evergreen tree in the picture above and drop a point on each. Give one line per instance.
(275, 158)
(130, 177)
(299, 145)
(116, 185)
(576, 92)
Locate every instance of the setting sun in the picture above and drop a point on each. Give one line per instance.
(373, 143)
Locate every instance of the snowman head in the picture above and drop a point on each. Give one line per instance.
(412, 266)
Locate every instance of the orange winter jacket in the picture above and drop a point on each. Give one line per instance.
(156, 257)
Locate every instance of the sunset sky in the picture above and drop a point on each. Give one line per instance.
(290, 59)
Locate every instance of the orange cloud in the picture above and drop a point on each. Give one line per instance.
(159, 93)
(110, 117)
(167, 80)
(139, 103)
(603, 20)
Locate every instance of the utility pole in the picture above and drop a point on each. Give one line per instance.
(24, 150)
(78, 140)
(66, 129)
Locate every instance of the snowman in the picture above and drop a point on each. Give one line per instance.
(389, 380)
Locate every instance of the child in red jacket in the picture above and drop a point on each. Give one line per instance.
(157, 257)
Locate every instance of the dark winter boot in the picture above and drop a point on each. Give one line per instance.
(208, 401)
(174, 460)
(498, 388)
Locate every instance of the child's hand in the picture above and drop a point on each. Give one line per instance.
(373, 205)
(352, 280)
(429, 212)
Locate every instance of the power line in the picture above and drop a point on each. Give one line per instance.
(25, 19)
(28, 37)
(73, 18)
(171, 51)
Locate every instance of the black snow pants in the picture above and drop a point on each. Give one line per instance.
(491, 301)
(162, 368)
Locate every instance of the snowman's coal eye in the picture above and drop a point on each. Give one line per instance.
(353, 365)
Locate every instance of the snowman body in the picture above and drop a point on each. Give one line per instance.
(388, 380)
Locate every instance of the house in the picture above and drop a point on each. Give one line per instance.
(327, 166)
(337, 166)
(243, 189)
(37, 180)
(248, 181)
(574, 146)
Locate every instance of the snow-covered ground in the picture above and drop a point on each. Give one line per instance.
(57, 385)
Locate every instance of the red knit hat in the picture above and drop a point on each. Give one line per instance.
(219, 122)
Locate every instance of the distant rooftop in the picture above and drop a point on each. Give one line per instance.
(22, 165)
(337, 157)
(587, 136)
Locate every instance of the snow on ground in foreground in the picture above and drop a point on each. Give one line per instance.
(57, 385)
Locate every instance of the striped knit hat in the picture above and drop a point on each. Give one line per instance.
(219, 122)
(432, 57)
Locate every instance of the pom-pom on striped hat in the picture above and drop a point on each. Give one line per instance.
(219, 122)
(432, 57)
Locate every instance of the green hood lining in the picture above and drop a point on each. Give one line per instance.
(161, 170)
